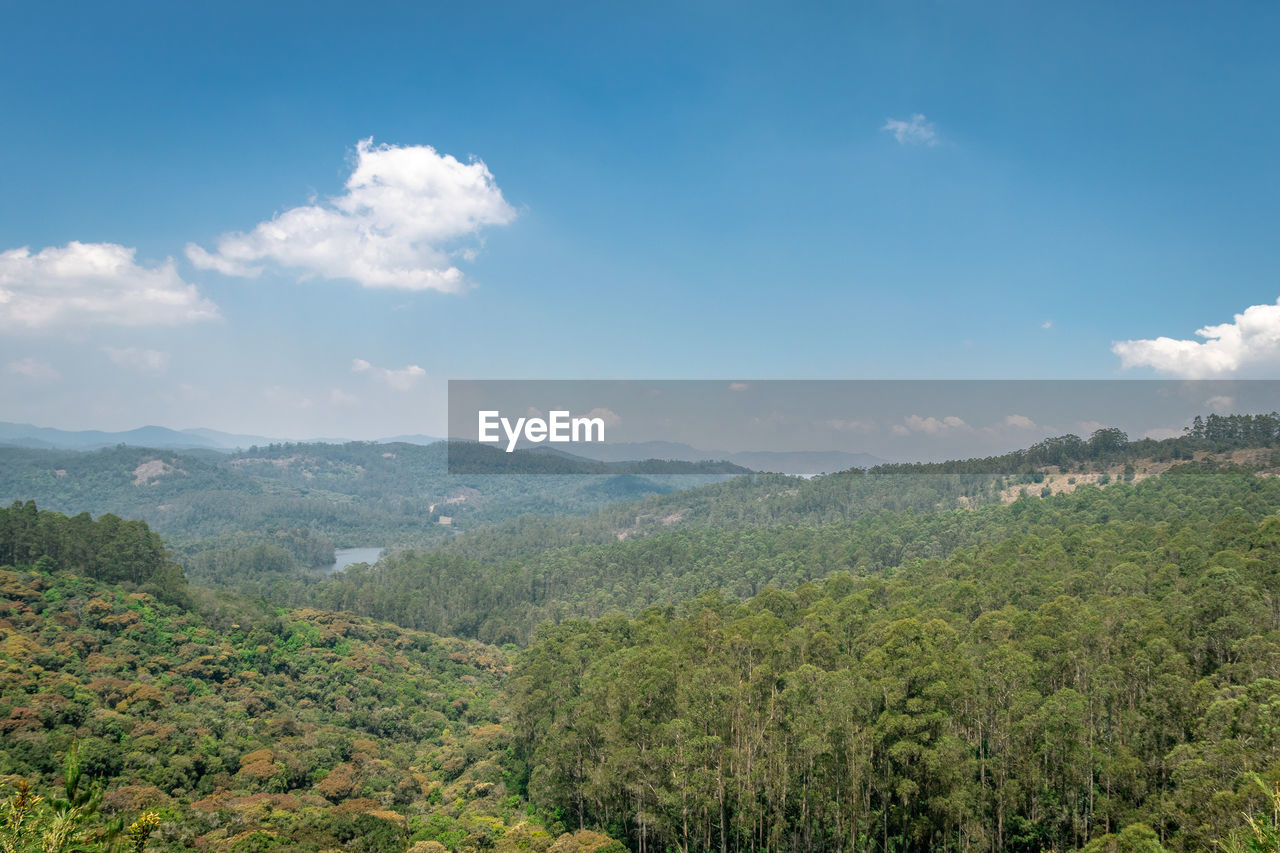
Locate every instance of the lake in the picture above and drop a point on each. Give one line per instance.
(344, 557)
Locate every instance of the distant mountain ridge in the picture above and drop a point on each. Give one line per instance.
(49, 438)
(469, 457)
(161, 438)
(804, 463)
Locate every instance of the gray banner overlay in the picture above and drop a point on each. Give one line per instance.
(813, 426)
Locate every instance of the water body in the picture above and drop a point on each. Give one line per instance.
(344, 557)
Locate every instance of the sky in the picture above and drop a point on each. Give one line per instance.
(302, 220)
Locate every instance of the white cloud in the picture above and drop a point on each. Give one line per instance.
(338, 397)
(929, 426)
(145, 360)
(401, 380)
(85, 284)
(33, 368)
(397, 225)
(850, 425)
(1047, 324)
(916, 130)
(611, 418)
(1252, 338)
(1220, 404)
(1019, 422)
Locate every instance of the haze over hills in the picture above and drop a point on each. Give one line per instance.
(164, 438)
(797, 463)
(1121, 592)
(307, 498)
(410, 438)
(49, 438)
(805, 463)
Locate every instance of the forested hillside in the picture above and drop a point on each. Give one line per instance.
(1103, 664)
(353, 493)
(281, 510)
(859, 662)
(480, 591)
(771, 499)
(241, 728)
(262, 518)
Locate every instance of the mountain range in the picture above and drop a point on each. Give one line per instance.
(161, 438)
(801, 462)
(804, 463)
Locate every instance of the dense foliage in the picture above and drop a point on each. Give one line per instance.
(1109, 445)
(770, 500)
(241, 727)
(71, 822)
(498, 586)
(867, 661)
(1112, 660)
(278, 511)
(357, 494)
(109, 549)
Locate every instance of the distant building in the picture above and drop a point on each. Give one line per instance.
(445, 519)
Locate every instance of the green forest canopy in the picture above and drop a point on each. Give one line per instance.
(1094, 670)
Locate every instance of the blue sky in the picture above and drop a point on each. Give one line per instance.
(682, 190)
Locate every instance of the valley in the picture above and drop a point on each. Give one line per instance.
(887, 660)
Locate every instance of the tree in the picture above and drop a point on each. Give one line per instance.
(31, 823)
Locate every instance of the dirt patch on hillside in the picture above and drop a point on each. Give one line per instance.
(282, 462)
(1060, 482)
(148, 473)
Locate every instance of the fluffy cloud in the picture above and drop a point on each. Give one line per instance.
(338, 397)
(144, 360)
(1019, 422)
(401, 380)
(85, 284)
(611, 418)
(1252, 338)
(33, 368)
(850, 425)
(399, 224)
(916, 130)
(929, 426)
